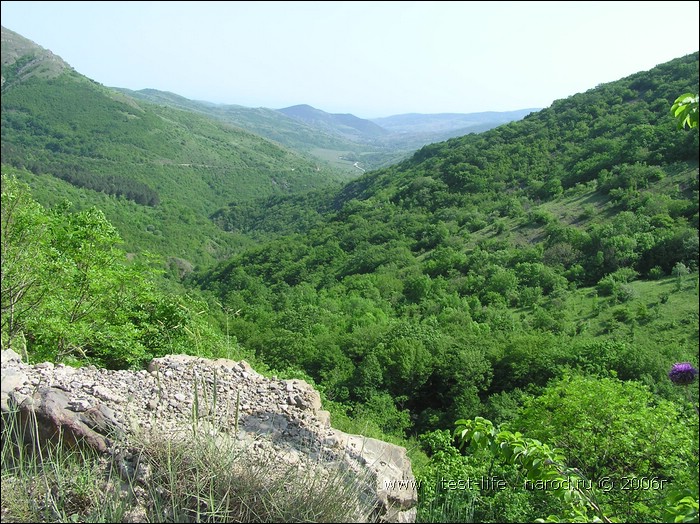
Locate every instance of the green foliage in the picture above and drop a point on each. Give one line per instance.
(612, 431)
(437, 503)
(473, 278)
(682, 506)
(541, 465)
(143, 164)
(471, 487)
(685, 109)
(25, 252)
(402, 283)
(70, 294)
(330, 143)
(584, 498)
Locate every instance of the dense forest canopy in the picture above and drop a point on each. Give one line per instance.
(501, 231)
(469, 279)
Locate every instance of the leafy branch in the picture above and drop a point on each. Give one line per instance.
(685, 110)
(539, 462)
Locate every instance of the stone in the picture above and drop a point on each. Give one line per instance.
(104, 393)
(10, 355)
(12, 379)
(79, 405)
(280, 421)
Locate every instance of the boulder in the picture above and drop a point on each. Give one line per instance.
(280, 419)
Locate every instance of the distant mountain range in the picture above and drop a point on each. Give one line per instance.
(320, 142)
(80, 139)
(345, 124)
(344, 140)
(462, 123)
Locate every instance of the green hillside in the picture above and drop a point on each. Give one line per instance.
(319, 145)
(425, 273)
(343, 124)
(340, 140)
(175, 165)
(551, 263)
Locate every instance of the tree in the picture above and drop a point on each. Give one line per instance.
(23, 241)
(70, 293)
(616, 430)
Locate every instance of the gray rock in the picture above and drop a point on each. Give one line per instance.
(79, 405)
(279, 421)
(12, 379)
(9, 355)
(104, 393)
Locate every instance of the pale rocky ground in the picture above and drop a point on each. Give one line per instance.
(279, 420)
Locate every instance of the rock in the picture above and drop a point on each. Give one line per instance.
(79, 405)
(12, 379)
(9, 355)
(57, 423)
(280, 421)
(104, 393)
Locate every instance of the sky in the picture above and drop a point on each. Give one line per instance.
(371, 59)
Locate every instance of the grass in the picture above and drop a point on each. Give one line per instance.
(658, 309)
(196, 476)
(583, 206)
(53, 483)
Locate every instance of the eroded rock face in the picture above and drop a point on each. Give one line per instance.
(284, 418)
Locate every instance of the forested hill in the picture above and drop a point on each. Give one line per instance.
(590, 159)
(268, 123)
(167, 168)
(576, 140)
(435, 280)
(344, 124)
(542, 274)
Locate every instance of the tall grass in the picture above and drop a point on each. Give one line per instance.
(194, 476)
(214, 479)
(54, 481)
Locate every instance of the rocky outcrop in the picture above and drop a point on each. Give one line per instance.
(109, 410)
(27, 59)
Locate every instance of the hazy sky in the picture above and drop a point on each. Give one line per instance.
(371, 59)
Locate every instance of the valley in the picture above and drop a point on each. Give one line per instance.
(533, 276)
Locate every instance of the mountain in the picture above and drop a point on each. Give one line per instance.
(627, 122)
(268, 123)
(22, 59)
(320, 143)
(165, 169)
(341, 140)
(542, 274)
(461, 123)
(345, 125)
(401, 134)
